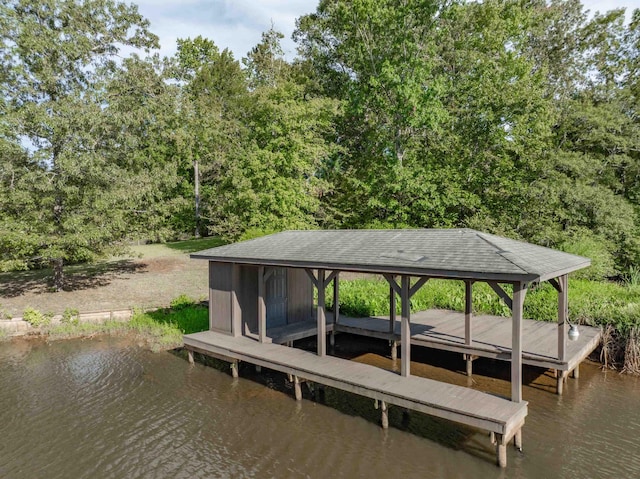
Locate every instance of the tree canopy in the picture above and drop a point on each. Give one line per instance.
(515, 117)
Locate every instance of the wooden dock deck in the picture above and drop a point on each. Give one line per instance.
(501, 417)
(443, 329)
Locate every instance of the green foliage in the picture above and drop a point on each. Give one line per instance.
(70, 316)
(181, 302)
(36, 318)
(73, 197)
(596, 303)
(602, 261)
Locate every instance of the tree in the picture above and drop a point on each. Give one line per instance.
(56, 55)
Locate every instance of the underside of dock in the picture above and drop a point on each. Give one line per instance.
(500, 417)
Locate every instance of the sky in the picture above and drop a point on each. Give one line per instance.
(238, 24)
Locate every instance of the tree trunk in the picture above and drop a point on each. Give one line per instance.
(196, 176)
(58, 273)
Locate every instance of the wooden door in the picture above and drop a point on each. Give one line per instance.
(276, 298)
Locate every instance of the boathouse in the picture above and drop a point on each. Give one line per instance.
(261, 298)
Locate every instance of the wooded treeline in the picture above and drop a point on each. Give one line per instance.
(514, 117)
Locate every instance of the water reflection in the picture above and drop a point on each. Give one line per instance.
(107, 409)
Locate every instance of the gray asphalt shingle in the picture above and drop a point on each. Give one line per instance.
(453, 253)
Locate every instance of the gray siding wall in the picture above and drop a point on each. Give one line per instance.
(220, 303)
(248, 297)
(233, 297)
(300, 296)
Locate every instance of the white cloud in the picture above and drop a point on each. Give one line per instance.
(238, 24)
(233, 24)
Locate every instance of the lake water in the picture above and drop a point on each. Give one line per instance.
(105, 408)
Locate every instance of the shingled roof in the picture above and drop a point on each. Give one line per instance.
(445, 253)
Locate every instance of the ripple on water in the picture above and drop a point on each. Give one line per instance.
(105, 409)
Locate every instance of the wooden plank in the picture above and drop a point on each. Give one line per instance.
(405, 328)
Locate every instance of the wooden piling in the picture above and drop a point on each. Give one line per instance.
(576, 372)
(190, 356)
(384, 415)
(234, 369)
(297, 389)
(517, 440)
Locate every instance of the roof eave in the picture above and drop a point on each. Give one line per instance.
(432, 273)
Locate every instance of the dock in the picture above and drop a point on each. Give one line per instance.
(445, 330)
(502, 418)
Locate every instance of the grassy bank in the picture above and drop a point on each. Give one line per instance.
(613, 306)
(161, 329)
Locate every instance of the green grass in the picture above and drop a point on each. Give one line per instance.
(193, 245)
(590, 302)
(161, 329)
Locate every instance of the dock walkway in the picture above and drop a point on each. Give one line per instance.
(443, 329)
(501, 417)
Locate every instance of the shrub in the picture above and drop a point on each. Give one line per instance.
(36, 318)
(70, 316)
(602, 261)
(181, 302)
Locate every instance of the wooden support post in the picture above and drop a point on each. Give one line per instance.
(190, 356)
(517, 440)
(262, 308)
(394, 350)
(576, 372)
(562, 376)
(336, 307)
(322, 324)
(406, 327)
(468, 316)
(234, 369)
(384, 415)
(336, 298)
(468, 358)
(501, 452)
(519, 291)
(258, 368)
(562, 317)
(392, 310)
(297, 389)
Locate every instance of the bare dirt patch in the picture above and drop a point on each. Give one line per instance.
(124, 283)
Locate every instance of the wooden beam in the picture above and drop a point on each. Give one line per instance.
(468, 316)
(563, 313)
(268, 272)
(312, 277)
(468, 312)
(519, 290)
(418, 284)
(329, 278)
(336, 298)
(501, 292)
(392, 308)
(556, 285)
(406, 327)
(391, 279)
(322, 324)
(262, 308)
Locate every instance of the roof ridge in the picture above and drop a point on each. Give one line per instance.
(500, 250)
